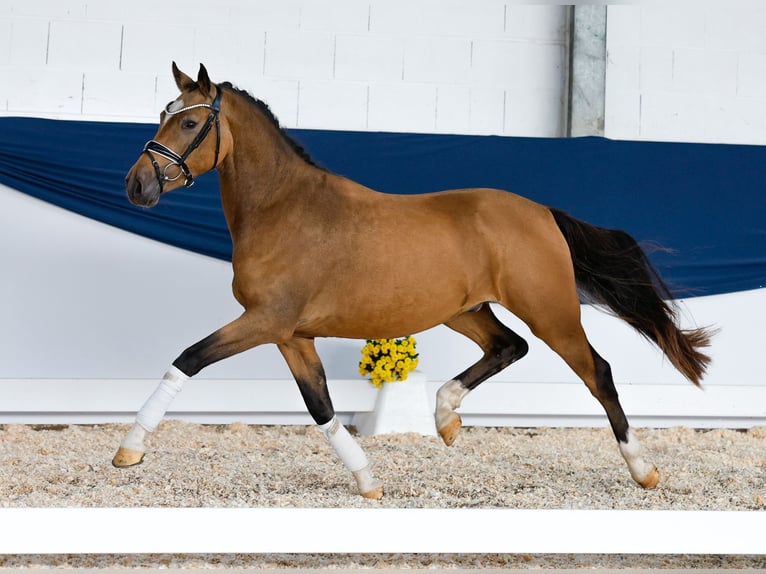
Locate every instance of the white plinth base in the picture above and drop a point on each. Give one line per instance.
(400, 407)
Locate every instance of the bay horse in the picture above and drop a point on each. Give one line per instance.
(306, 265)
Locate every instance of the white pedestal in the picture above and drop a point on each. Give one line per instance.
(401, 406)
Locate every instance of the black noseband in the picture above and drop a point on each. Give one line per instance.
(154, 147)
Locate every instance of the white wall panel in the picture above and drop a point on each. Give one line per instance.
(529, 113)
(39, 91)
(336, 16)
(149, 47)
(437, 17)
(751, 75)
(266, 14)
(256, 44)
(537, 22)
(736, 25)
(169, 12)
(402, 107)
(664, 115)
(656, 69)
(518, 66)
(238, 58)
(48, 9)
(344, 104)
(103, 92)
(369, 57)
(453, 110)
(703, 72)
(6, 36)
(25, 42)
(737, 119)
(678, 24)
(299, 55)
(438, 60)
(462, 109)
(700, 71)
(93, 45)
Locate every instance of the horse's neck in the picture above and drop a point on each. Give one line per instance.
(261, 175)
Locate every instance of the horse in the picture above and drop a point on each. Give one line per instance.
(306, 266)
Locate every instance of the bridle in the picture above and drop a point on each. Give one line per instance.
(180, 160)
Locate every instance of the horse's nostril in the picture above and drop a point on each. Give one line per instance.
(133, 185)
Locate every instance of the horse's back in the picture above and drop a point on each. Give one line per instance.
(496, 219)
(462, 207)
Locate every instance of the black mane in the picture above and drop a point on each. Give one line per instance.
(266, 111)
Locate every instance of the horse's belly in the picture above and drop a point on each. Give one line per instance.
(388, 309)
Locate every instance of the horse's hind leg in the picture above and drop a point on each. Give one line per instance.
(304, 363)
(568, 339)
(643, 473)
(501, 347)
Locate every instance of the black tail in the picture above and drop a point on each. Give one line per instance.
(612, 270)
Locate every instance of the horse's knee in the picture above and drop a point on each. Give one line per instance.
(197, 357)
(316, 396)
(304, 363)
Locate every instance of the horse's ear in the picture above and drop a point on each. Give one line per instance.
(184, 82)
(203, 81)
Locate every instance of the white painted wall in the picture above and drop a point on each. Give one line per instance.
(676, 71)
(392, 65)
(687, 71)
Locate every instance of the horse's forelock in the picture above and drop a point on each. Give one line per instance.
(175, 105)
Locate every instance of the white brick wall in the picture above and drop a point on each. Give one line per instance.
(407, 65)
(682, 71)
(687, 71)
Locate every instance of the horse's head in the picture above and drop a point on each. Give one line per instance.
(187, 144)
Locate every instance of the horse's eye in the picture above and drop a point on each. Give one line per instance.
(188, 124)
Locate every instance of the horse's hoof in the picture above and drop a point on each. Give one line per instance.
(650, 480)
(375, 493)
(127, 457)
(449, 431)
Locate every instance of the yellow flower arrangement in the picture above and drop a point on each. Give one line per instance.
(388, 360)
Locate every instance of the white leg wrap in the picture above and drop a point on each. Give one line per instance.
(365, 481)
(345, 446)
(158, 403)
(134, 440)
(631, 452)
(353, 457)
(448, 398)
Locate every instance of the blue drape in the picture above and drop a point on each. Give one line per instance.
(705, 202)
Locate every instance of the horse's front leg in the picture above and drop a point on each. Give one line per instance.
(306, 367)
(241, 334)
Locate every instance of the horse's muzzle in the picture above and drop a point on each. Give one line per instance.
(142, 188)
